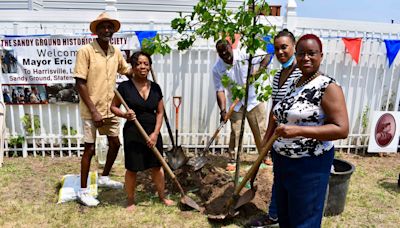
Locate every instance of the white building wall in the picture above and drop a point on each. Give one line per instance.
(99, 5)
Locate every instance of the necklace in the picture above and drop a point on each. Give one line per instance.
(306, 81)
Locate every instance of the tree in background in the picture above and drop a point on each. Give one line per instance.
(212, 19)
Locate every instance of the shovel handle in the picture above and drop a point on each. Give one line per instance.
(176, 98)
(221, 125)
(153, 75)
(230, 111)
(154, 148)
(256, 164)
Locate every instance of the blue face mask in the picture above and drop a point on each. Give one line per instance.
(289, 62)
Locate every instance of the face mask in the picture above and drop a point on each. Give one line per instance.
(289, 62)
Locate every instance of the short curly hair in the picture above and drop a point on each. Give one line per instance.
(135, 58)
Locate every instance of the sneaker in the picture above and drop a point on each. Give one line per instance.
(86, 199)
(106, 182)
(263, 221)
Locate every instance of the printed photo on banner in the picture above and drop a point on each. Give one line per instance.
(384, 135)
(8, 61)
(24, 94)
(126, 54)
(61, 93)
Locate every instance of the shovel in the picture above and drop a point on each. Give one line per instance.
(199, 162)
(237, 201)
(177, 100)
(184, 198)
(176, 156)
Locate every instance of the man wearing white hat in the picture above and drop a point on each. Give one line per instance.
(96, 68)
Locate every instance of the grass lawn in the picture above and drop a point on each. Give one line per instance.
(29, 191)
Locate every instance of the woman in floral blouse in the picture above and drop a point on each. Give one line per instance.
(311, 115)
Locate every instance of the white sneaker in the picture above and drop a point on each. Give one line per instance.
(106, 182)
(86, 199)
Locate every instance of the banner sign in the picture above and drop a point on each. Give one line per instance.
(43, 62)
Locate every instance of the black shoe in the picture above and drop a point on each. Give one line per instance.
(262, 221)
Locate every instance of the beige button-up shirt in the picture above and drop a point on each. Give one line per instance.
(100, 72)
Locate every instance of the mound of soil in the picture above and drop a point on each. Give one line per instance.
(212, 186)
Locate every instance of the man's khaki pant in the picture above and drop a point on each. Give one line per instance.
(257, 119)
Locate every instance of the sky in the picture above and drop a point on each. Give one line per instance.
(361, 10)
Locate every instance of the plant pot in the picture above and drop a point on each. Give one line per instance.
(338, 186)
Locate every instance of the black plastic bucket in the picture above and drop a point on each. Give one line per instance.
(338, 186)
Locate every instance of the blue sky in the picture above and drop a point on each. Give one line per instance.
(361, 10)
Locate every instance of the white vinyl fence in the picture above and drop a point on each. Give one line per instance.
(369, 85)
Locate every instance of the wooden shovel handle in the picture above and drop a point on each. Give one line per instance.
(154, 148)
(153, 75)
(165, 113)
(221, 125)
(230, 110)
(256, 164)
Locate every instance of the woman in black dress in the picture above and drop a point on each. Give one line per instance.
(145, 98)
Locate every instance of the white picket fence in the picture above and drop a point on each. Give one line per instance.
(369, 85)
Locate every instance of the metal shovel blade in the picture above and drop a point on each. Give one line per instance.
(223, 216)
(176, 157)
(191, 203)
(198, 162)
(245, 198)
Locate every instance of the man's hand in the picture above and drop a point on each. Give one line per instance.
(153, 140)
(222, 115)
(97, 119)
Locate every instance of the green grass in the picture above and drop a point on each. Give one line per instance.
(373, 198)
(28, 196)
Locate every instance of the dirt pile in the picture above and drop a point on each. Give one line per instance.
(213, 186)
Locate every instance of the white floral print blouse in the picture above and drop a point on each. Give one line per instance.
(302, 106)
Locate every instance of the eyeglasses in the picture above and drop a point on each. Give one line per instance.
(310, 54)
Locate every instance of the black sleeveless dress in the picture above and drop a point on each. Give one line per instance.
(138, 156)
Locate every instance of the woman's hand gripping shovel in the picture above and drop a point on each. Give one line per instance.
(176, 156)
(200, 162)
(184, 198)
(237, 201)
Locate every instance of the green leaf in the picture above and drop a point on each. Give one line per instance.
(225, 81)
(174, 23)
(27, 122)
(214, 20)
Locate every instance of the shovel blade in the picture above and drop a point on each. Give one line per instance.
(191, 203)
(223, 216)
(197, 162)
(245, 198)
(176, 158)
